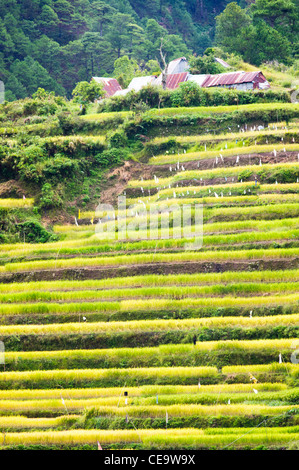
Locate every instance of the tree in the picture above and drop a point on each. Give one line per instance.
(71, 24)
(32, 75)
(233, 28)
(85, 93)
(14, 90)
(164, 68)
(118, 35)
(269, 45)
(48, 20)
(254, 39)
(173, 45)
(204, 65)
(73, 65)
(273, 10)
(152, 67)
(125, 69)
(42, 94)
(101, 14)
(90, 42)
(98, 54)
(48, 53)
(153, 31)
(22, 45)
(281, 15)
(136, 35)
(6, 43)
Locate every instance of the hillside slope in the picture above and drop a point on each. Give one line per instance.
(112, 338)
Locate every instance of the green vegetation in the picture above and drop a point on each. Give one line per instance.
(56, 45)
(259, 34)
(204, 341)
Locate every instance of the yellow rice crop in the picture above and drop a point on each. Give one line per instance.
(279, 345)
(257, 149)
(169, 437)
(142, 391)
(229, 277)
(16, 203)
(150, 258)
(150, 325)
(89, 374)
(116, 407)
(8, 422)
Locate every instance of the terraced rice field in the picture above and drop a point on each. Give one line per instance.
(16, 203)
(139, 343)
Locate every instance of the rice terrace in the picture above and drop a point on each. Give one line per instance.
(149, 259)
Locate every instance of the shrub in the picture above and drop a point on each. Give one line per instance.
(33, 232)
(85, 92)
(39, 107)
(111, 157)
(66, 123)
(245, 175)
(32, 154)
(152, 96)
(60, 167)
(188, 94)
(140, 107)
(49, 198)
(117, 139)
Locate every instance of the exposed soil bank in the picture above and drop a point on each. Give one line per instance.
(118, 179)
(156, 268)
(247, 159)
(163, 171)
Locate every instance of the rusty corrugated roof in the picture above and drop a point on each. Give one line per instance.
(175, 79)
(233, 78)
(110, 85)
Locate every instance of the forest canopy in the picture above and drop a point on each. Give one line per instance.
(54, 44)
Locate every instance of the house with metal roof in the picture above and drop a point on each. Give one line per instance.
(237, 80)
(199, 79)
(110, 85)
(173, 80)
(137, 84)
(140, 82)
(178, 72)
